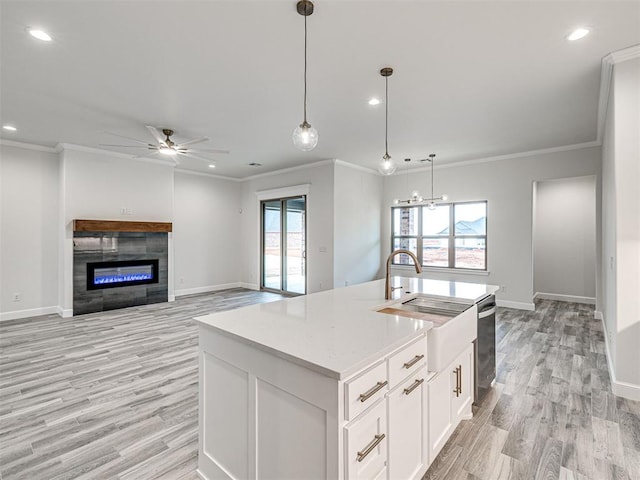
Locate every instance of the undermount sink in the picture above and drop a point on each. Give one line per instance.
(455, 326)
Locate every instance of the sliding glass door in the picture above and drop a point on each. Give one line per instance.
(283, 256)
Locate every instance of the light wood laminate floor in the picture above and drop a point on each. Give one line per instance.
(114, 395)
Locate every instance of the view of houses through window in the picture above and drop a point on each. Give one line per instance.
(451, 235)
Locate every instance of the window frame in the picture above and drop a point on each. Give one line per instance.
(451, 237)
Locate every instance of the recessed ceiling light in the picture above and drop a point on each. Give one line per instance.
(40, 34)
(211, 165)
(11, 128)
(577, 34)
(374, 101)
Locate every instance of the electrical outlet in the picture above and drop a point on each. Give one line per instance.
(320, 284)
(504, 289)
(181, 280)
(346, 283)
(17, 297)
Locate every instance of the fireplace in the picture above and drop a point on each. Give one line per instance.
(119, 268)
(121, 273)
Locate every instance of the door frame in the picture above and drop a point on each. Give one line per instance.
(279, 194)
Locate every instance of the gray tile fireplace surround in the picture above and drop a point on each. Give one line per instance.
(91, 247)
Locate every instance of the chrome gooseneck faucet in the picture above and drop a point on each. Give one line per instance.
(388, 289)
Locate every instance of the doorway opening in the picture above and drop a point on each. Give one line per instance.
(283, 225)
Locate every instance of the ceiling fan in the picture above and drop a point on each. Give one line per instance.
(166, 146)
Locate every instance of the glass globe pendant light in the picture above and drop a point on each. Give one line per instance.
(387, 166)
(305, 137)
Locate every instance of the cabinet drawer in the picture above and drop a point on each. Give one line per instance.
(407, 361)
(366, 445)
(364, 390)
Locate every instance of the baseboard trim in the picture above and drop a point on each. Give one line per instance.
(171, 298)
(597, 314)
(208, 288)
(250, 286)
(30, 312)
(564, 298)
(64, 312)
(516, 305)
(620, 389)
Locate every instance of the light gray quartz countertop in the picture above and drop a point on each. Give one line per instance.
(336, 332)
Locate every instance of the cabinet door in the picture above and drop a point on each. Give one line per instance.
(463, 379)
(408, 436)
(439, 392)
(366, 444)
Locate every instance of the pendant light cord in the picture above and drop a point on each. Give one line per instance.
(305, 69)
(386, 116)
(432, 178)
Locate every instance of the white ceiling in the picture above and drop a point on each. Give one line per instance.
(472, 79)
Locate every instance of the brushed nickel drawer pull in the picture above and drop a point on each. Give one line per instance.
(413, 386)
(457, 389)
(460, 379)
(367, 395)
(374, 443)
(415, 360)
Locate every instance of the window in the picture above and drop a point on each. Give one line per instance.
(452, 235)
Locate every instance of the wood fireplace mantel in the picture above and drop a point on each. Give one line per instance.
(118, 226)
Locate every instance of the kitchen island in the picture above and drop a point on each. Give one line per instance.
(326, 386)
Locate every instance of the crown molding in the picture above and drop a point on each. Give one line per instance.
(209, 175)
(98, 151)
(509, 156)
(625, 54)
(606, 75)
(290, 169)
(27, 146)
(356, 167)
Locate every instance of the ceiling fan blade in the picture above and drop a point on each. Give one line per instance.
(125, 146)
(210, 151)
(191, 142)
(156, 135)
(128, 138)
(146, 155)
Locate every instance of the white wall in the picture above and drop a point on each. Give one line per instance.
(621, 228)
(206, 233)
(97, 185)
(28, 231)
(564, 239)
(320, 229)
(507, 185)
(357, 225)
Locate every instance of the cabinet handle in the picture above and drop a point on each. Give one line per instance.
(457, 390)
(413, 386)
(374, 443)
(460, 379)
(368, 394)
(415, 360)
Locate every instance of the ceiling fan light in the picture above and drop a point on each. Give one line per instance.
(167, 151)
(305, 137)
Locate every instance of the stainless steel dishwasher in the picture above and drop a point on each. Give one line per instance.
(485, 348)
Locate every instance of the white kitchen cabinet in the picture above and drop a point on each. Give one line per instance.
(366, 444)
(450, 398)
(408, 427)
(462, 381)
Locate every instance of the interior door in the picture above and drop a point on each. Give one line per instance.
(283, 256)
